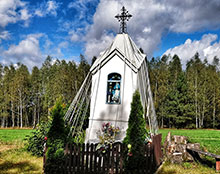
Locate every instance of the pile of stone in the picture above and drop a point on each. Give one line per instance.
(175, 148)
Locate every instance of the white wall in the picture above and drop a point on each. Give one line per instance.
(100, 111)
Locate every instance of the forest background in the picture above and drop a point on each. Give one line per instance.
(183, 98)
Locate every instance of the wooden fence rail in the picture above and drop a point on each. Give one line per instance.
(84, 158)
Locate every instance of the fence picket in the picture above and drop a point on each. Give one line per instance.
(95, 159)
(85, 159)
(92, 150)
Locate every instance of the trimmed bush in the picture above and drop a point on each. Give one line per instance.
(135, 135)
(57, 138)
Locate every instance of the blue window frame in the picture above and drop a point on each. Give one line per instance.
(113, 88)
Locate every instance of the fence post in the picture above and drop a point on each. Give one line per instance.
(44, 155)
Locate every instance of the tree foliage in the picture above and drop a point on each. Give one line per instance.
(58, 137)
(189, 97)
(183, 97)
(135, 134)
(26, 97)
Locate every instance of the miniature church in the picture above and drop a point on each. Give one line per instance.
(108, 88)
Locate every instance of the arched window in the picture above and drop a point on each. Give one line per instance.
(113, 88)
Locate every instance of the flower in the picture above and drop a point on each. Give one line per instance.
(130, 154)
(106, 136)
(45, 138)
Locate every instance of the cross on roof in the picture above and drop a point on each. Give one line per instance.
(122, 18)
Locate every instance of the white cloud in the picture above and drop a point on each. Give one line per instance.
(95, 46)
(52, 7)
(151, 20)
(27, 51)
(75, 36)
(4, 35)
(9, 12)
(24, 14)
(207, 47)
(47, 8)
(63, 44)
(81, 7)
(39, 13)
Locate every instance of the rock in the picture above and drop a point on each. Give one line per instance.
(193, 146)
(180, 139)
(175, 148)
(188, 157)
(177, 158)
(167, 140)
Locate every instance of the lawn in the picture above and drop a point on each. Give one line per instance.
(10, 135)
(13, 157)
(208, 139)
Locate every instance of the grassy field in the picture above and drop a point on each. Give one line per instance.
(10, 135)
(208, 139)
(13, 158)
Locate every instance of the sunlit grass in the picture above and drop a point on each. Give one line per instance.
(185, 168)
(208, 139)
(10, 135)
(15, 160)
(13, 157)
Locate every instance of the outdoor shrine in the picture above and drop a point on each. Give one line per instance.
(108, 88)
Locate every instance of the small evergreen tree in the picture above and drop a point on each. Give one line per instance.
(135, 135)
(57, 138)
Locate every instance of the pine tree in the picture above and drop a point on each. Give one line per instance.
(57, 129)
(35, 94)
(57, 138)
(136, 134)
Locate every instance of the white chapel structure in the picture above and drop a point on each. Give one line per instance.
(115, 75)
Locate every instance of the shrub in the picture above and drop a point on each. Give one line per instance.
(135, 135)
(57, 138)
(35, 142)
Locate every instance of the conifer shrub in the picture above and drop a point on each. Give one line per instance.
(135, 136)
(57, 139)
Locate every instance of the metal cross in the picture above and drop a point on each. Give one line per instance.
(122, 18)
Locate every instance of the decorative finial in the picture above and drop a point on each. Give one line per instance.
(122, 18)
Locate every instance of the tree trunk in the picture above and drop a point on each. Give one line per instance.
(21, 115)
(34, 116)
(21, 108)
(12, 114)
(214, 110)
(203, 113)
(199, 116)
(18, 119)
(38, 112)
(3, 122)
(196, 101)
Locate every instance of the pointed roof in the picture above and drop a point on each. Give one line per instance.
(125, 48)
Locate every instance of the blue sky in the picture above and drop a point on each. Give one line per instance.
(31, 30)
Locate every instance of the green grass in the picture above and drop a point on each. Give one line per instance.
(185, 168)
(13, 157)
(10, 135)
(208, 139)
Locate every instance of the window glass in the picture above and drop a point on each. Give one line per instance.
(113, 88)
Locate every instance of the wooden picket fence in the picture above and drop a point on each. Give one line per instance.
(84, 158)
